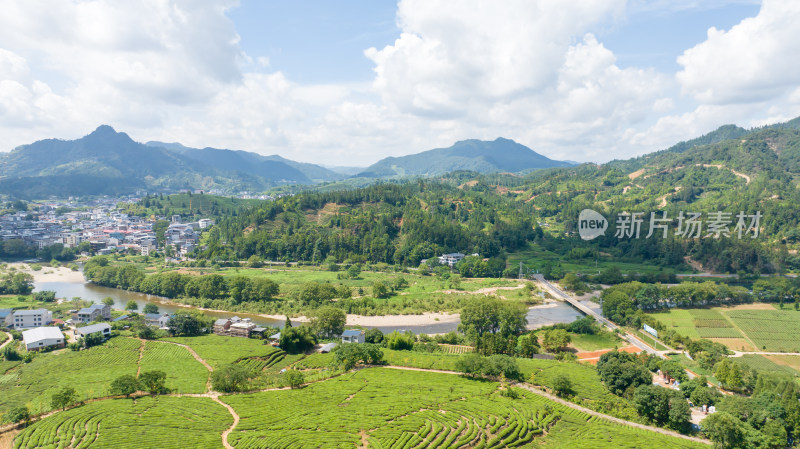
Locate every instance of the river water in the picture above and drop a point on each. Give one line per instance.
(538, 316)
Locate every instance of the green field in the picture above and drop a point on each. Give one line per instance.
(161, 422)
(90, 372)
(219, 351)
(770, 330)
(594, 342)
(761, 363)
(184, 373)
(383, 408)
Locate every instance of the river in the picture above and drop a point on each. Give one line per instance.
(538, 316)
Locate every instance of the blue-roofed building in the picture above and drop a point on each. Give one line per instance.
(94, 312)
(353, 336)
(6, 316)
(157, 320)
(121, 318)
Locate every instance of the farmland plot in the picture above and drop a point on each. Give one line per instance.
(218, 350)
(770, 330)
(89, 371)
(384, 408)
(163, 422)
(184, 373)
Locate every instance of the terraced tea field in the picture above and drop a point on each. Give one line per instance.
(162, 422)
(90, 372)
(219, 351)
(184, 373)
(384, 408)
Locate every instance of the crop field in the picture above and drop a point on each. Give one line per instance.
(184, 373)
(679, 320)
(770, 330)
(589, 390)
(762, 363)
(162, 422)
(576, 430)
(218, 350)
(89, 371)
(594, 342)
(424, 360)
(384, 408)
(456, 349)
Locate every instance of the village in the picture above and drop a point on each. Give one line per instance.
(95, 227)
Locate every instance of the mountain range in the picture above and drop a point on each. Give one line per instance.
(110, 162)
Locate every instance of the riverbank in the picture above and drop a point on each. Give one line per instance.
(49, 274)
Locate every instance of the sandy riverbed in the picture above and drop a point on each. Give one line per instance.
(49, 274)
(425, 319)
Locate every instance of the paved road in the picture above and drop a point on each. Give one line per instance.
(558, 293)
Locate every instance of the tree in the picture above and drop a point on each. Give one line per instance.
(295, 340)
(109, 301)
(45, 296)
(348, 355)
(398, 341)
(150, 308)
(18, 415)
(93, 339)
(555, 340)
(373, 335)
(131, 306)
(354, 271)
(153, 382)
(471, 364)
(146, 332)
(124, 385)
(482, 315)
(562, 386)
(293, 378)
(380, 290)
(621, 372)
(64, 398)
(230, 378)
(725, 431)
(288, 323)
(328, 321)
(187, 324)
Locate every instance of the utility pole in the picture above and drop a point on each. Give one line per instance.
(520, 270)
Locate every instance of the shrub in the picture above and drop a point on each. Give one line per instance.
(398, 341)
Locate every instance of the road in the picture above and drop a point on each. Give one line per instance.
(558, 293)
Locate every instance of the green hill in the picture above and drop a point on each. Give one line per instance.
(500, 155)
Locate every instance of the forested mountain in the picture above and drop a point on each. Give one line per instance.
(272, 167)
(110, 162)
(500, 155)
(497, 214)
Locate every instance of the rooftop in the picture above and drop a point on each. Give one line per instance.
(100, 327)
(351, 333)
(41, 333)
(30, 312)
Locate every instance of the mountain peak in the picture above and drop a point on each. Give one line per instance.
(103, 130)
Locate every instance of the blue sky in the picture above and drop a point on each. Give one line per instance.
(348, 83)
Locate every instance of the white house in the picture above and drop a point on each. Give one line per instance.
(27, 319)
(154, 319)
(450, 259)
(103, 328)
(353, 336)
(43, 337)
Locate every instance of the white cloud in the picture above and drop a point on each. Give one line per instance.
(530, 70)
(754, 61)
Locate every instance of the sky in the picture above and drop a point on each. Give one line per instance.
(347, 83)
